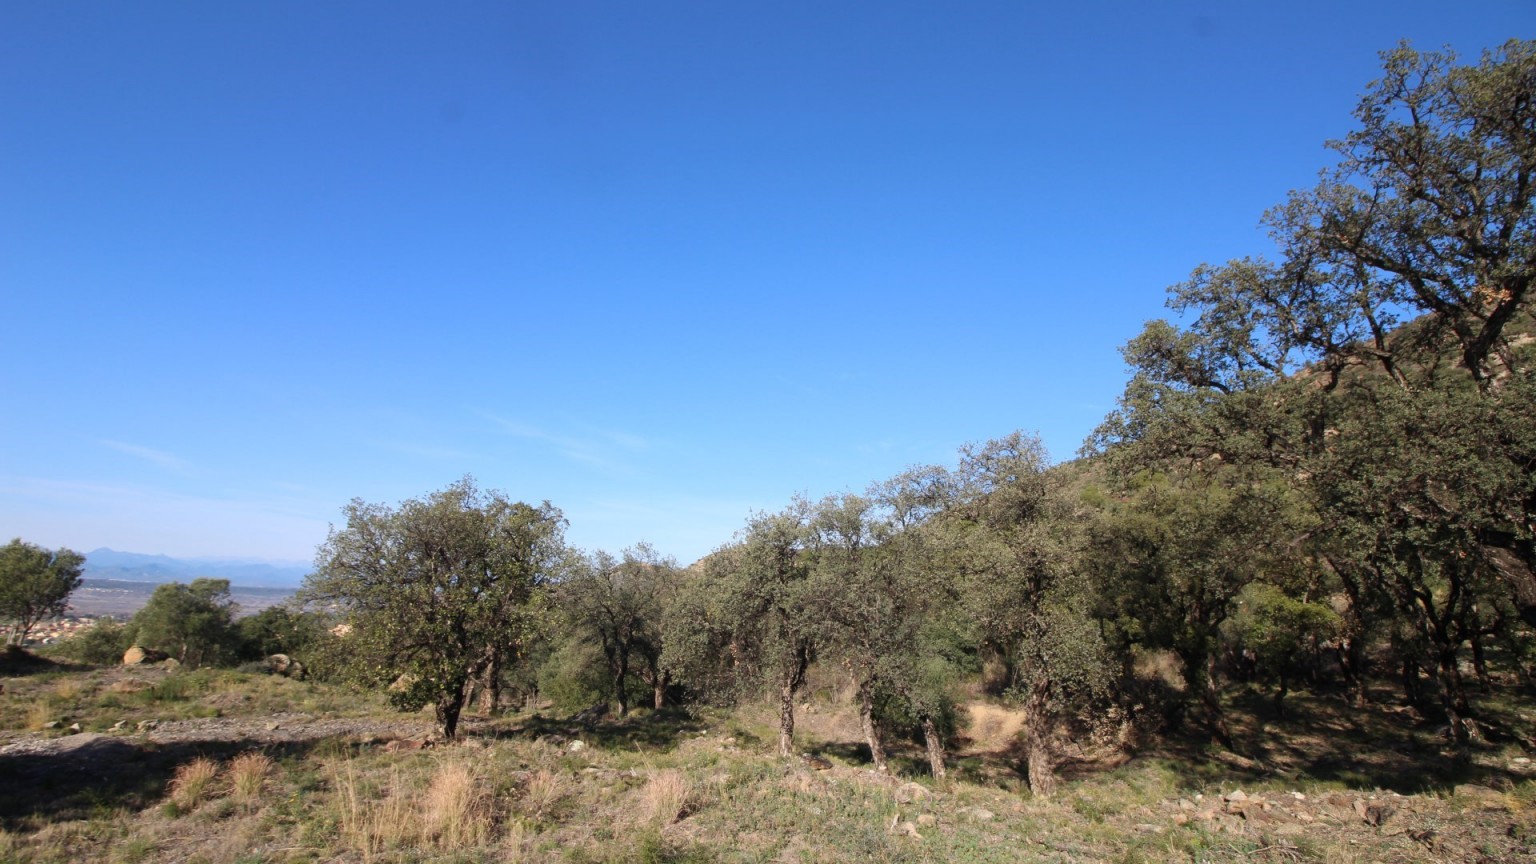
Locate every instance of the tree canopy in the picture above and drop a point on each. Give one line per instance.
(35, 584)
(192, 622)
(439, 589)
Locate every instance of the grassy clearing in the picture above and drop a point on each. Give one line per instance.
(98, 699)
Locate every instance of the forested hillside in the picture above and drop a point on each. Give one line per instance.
(1320, 474)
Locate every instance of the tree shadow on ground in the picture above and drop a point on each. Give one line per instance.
(20, 663)
(904, 757)
(847, 752)
(99, 774)
(1322, 739)
(658, 731)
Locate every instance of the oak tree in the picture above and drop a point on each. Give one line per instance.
(439, 589)
(35, 584)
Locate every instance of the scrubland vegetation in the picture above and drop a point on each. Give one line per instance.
(1283, 607)
(344, 777)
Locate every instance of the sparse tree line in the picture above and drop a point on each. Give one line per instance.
(196, 625)
(1324, 477)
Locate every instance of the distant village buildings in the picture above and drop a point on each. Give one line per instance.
(57, 629)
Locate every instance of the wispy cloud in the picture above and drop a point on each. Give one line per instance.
(599, 448)
(148, 454)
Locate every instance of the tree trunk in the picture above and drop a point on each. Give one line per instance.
(1037, 735)
(787, 719)
(659, 689)
(1352, 646)
(1210, 696)
(491, 701)
(449, 704)
(617, 654)
(619, 695)
(658, 679)
(1412, 693)
(1453, 697)
(935, 743)
(1352, 661)
(473, 691)
(1480, 664)
(871, 729)
(792, 683)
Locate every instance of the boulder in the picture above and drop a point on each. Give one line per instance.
(282, 664)
(138, 655)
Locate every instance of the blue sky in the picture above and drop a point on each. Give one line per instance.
(661, 264)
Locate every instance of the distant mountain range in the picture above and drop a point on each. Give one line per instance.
(133, 567)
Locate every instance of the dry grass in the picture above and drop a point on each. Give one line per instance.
(247, 774)
(68, 690)
(543, 793)
(992, 728)
(457, 810)
(454, 811)
(39, 713)
(372, 821)
(664, 798)
(191, 783)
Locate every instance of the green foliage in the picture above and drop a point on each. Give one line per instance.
(193, 623)
(698, 646)
(620, 604)
(35, 584)
(574, 677)
(280, 630)
(1389, 464)
(103, 643)
(439, 589)
(1279, 632)
(767, 609)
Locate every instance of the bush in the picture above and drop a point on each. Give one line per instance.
(278, 630)
(574, 677)
(193, 623)
(102, 644)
